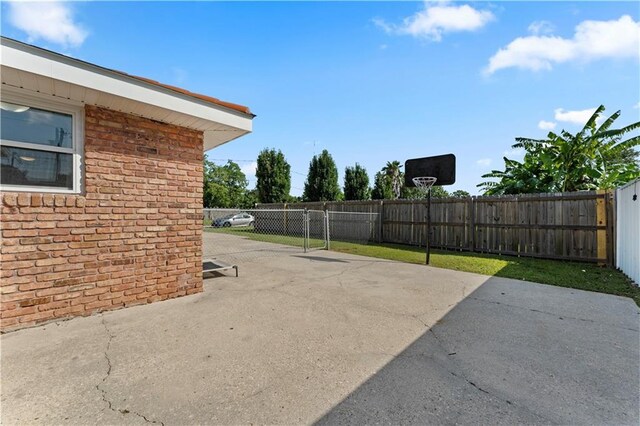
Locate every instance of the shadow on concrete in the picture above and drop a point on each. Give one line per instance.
(322, 259)
(216, 274)
(511, 353)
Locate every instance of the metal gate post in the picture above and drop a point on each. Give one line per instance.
(428, 226)
(327, 238)
(305, 229)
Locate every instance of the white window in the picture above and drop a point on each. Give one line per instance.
(41, 144)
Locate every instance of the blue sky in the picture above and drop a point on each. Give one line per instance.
(370, 82)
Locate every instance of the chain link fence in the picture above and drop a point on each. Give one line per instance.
(234, 235)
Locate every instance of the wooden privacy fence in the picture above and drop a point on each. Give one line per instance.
(570, 226)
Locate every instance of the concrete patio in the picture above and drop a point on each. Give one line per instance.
(334, 338)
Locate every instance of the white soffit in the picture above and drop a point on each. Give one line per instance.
(36, 70)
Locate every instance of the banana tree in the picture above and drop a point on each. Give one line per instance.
(596, 157)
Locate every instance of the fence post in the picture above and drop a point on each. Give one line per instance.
(611, 227)
(326, 230)
(601, 223)
(472, 220)
(380, 221)
(305, 229)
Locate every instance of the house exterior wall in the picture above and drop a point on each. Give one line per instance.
(134, 235)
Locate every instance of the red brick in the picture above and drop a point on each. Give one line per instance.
(53, 247)
(97, 305)
(37, 317)
(54, 305)
(10, 200)
(33, 271)
(15, 279)
(23, 295)
(18, 312)
(17, 249)
(50, 291)
(32, 256)
(33, 302)
(95, 291)
(67, 295)
(52, 276)
(24, 200)
(51, 261)
(139, 222)
(36, 200)
(67, 282)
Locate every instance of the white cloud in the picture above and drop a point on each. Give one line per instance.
(514, 153)
(52, 21)
(437, 19)
(592, 40)
(249, 169)
(381, 23)
(484, 162)
(576, 117)
(637, 106)
(546, 125)
(541, 27)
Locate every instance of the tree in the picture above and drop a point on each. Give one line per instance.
(250, 199)
(392, 170)
(527, 177)
(273, 175)
(356, 183)
(382, 187)
(322, 179)
(223, 186)
(596, 157)
(460, 193)
(410, 193)
(294, 199)
(389, 185)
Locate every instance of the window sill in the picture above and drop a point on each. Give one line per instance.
(37, 189)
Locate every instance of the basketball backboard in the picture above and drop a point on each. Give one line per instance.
(442, 167)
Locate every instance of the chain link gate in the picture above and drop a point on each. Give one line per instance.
(353, 227)
(237, 235)
(317, 235)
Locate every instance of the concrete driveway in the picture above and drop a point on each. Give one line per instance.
(332, 338)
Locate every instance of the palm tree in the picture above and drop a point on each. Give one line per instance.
(395, 175)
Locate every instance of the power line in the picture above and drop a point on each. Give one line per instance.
(224, 160)
(230, 159)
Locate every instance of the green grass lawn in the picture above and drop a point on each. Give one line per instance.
(578, 275)
(583, 276)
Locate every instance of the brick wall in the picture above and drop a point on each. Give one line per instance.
(134, 236)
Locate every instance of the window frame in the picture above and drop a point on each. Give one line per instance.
(53, 104)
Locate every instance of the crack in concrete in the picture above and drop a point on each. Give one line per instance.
(559, 316)
(480, 389)
(104, 379)
(474, 385)
(439, 342)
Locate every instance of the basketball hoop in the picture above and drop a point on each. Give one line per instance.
(424, 182)
(422, 173)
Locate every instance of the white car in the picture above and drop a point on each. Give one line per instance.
(240, 219)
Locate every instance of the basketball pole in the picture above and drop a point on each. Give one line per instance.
(428, 225)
